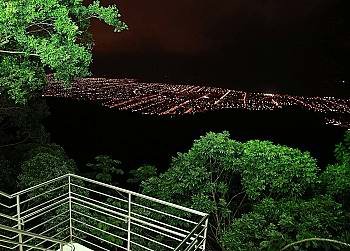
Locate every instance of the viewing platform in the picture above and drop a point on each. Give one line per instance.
(75, 213)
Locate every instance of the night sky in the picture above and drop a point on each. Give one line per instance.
(258, 45)
(294, 46)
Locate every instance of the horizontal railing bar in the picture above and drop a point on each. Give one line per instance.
(44, 208)
(44, 203)
(49, 247)
(5, 195)
(111, 243)
(8, 237)
(158, 232)
(103, 222)
(141, 195)
(115, 217)
(60, 232)
(52, 237)
(108, 186)
(39, 185)
(158, 227)
(110, 196)
(7, 206)
(25, 245)
(30, 234)
(8, 217)
(47, 230)
(102, 208)
(93, 244)
(62, 240)
(42, 223)
(149, 239)
(104, 204)
(141, 246)
(167, 214)
(160, 222)
(103, 231)
(192, 232)
(36, 216)
(34, 197)
(16, 225)
(3, 246)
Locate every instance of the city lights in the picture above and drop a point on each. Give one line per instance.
(173, 99)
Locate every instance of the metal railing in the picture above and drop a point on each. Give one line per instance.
(22, 245)
(72, 208)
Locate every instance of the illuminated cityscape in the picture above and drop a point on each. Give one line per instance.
(174, 99)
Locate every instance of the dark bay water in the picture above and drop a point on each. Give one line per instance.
(86, 130)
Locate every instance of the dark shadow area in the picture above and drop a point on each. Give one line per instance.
(86, 130)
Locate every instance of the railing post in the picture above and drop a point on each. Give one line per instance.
(19, 223)
(205, 232)
(70, 210)
(61, 246)
(129, 222)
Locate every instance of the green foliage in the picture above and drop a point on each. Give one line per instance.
(198, 173)
(260, 196)
(336, 177)
(273, 224)
(39, 35)
(142, 173)
(44, 164)
(104, 168)
(342, 150)
(20, 131)
(277, 171)
(203, 178)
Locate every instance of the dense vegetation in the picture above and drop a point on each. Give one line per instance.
(47, 36)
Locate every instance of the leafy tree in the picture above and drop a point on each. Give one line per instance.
(142, 173)
(44, 163)
(203, 179)
(104, 168)
(229, 179)
(277, 171)
(342, 150)
(272, 224)
(336, 177)
(41, 36)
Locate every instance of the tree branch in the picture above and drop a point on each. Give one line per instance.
(11, 108)
(4, 42)
(40, 23)
(239, 206)
(17, 143)
(235, 197)
(38, 30)
(18, 52)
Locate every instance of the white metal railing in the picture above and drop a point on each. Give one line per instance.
(72, 208)
(22, 245)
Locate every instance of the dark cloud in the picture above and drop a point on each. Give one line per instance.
(189, 26)
(259, 38)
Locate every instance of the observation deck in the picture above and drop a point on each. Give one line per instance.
(76, 213)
